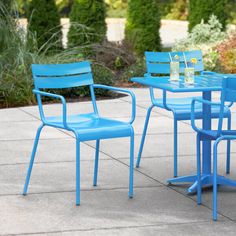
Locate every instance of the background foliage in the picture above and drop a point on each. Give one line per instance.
(227, 54)
(44, 23)
(91, 14)
(116, 8)
(17, 55)
(202, 9)
(206, 37)
(143, 24)
(112, 63)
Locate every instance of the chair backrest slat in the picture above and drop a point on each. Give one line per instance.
(159, 62)
(229, 89)
(62, 75)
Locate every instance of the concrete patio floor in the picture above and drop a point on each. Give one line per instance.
(156, 209)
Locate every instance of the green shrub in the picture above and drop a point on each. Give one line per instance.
(15, 78)
(179, 10)
(17, 55)
(44, 22)
(116, 8)
(114, 56)
(230, 8)
(87, 22)
(205, 37)
(8, 4)
(136, 70)
(143, 24)
(102, 75)
(202, 10)
(165, 7)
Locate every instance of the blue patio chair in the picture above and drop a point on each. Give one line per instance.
(228, 94)
(158, 63)
(90, 126)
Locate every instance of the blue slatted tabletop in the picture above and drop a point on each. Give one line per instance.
(202, 83)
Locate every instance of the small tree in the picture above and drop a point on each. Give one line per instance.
(88, 24)
(179, 10)
(143, 24)
(44, 22)
(202, 10)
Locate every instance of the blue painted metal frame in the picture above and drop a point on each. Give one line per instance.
(159, 63)
(204, 84)
(207, 135)
(85, 127)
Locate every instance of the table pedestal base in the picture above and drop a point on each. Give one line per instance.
(206, 181)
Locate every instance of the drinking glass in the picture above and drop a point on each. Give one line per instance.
(174, 71)
(189, 75)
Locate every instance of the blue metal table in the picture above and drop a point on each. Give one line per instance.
(205, 84)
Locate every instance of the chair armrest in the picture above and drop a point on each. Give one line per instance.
(56, 96)
(227, 137)
(230, 104)
(193, 110)
(122, 91)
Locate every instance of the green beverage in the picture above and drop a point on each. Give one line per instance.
(174, 70)
(189, 75)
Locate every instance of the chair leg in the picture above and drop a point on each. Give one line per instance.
(77, 171)
(96, 163)
(175, 147)
(131, 167)
(199, 187)
(228, 147)
(215, 181)
(144, 135)
(32, 159)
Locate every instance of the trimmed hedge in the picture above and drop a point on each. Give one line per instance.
(202, 9)
(44, 22)
(143, 24)
(87, 22)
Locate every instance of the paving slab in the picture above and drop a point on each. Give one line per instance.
(27, 130)
(226, 200)
(161, 168)
(156, 209)
(14, 114)
(156, 145)
(141, 94)
(54, 177)
(49, 150)
(160, 125)
(39, 213)
(204, 228)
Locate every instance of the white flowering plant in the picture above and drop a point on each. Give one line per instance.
(204, 37)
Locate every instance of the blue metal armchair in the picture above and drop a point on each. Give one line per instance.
(85, 127)
(158, 63)
(228, 94)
